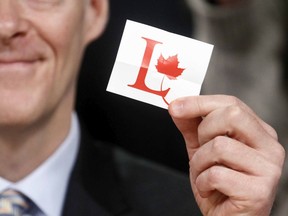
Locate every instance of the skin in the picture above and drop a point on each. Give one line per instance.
(235, 158)
(40, 56)
(41, 47)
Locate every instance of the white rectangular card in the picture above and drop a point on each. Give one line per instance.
(155, 66)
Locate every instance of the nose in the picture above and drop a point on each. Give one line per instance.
(11, 24)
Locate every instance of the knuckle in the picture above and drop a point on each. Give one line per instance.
(217, 145)
(194, 162)
(281, 154)
(273, 132)
(277, 174)
(214, 174)
(234, 113)
(234, 100)
(279, 166)
(199, 106)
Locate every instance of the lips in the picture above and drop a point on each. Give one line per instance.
(21, 62)
(21, 52)
(16, 62)
(12, 61)
(24, 57)
(13, 68)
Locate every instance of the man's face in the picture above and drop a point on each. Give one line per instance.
(41, 46)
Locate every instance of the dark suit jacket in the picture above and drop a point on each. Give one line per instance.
(109, 181)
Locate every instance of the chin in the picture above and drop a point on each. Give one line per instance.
(18, 114)
(16, 120)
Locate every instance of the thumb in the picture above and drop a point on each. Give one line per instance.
(188, 128)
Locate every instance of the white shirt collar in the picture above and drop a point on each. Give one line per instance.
(46, 186)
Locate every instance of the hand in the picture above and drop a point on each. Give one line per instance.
(235, 158)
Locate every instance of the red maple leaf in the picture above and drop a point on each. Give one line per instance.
(169, 66)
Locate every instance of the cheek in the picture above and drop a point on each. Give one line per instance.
(62, 35)
(66, 45)
(68, 51)
(63, 29)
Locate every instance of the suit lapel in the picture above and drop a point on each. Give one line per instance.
(93, 187)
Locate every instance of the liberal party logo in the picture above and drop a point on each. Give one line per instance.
(155, 66)
(166, 66)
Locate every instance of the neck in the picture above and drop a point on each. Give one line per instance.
(24, 149)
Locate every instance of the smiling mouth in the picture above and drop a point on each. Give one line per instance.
(17, 68)
(17, 63)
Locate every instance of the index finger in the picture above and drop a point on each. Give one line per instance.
(200, 106)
